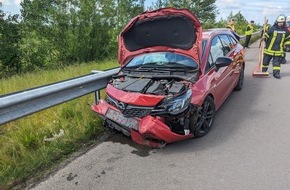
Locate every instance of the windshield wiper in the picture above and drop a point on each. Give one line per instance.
(140, 68)
(143, 68)
(179, 65)
(161, 67)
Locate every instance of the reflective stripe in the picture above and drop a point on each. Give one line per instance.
(272, 40)
(281, 43)
(231, 27)
(249, 32)
(265, 66)
(288, 42)
(269, 50)
(273, 53)
(276, 68)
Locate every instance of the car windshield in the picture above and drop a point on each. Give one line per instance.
(162, 59)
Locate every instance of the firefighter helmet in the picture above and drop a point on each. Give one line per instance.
(288, 21)
(280, 18)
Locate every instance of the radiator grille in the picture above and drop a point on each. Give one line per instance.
(130, 110)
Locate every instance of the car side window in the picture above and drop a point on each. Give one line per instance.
(226, 44)
(216, 50)
(233, 41)
(210, 62)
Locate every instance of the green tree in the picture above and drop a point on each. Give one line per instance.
(115, 15)
(240, 22)
(35, 44)
(1, 11)
(53, 33)
(158, 4)
(205, 11)
(71, 31)
(221, 23)
(10, 36)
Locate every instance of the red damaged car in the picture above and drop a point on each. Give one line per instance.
(173, 77)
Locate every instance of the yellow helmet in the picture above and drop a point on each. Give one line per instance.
(280, 18)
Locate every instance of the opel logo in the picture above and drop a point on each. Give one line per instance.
(121, 105)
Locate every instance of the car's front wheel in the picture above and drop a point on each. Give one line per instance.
(203, 121)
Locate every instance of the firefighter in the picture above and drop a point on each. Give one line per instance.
(286, 47)
(231, 24)
(248, 33)
(277, 37)
(288, 21)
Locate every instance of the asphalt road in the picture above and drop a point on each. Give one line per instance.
(247, 149)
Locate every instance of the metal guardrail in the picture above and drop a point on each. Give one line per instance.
(23, 103)
(253, 35)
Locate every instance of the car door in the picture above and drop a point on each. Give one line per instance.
(237, 56)
(233, 69)
(219, 79)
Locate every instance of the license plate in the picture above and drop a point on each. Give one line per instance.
(118, 117)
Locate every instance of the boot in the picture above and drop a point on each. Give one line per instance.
(276, 74)
(284, 61)
(264, 69)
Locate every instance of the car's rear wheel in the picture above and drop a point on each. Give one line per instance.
(240, 83)
(202, 123)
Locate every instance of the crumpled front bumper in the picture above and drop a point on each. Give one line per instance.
(152, 131)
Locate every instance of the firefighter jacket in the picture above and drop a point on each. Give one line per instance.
(249, 30)
(276, 39)
(267, 28)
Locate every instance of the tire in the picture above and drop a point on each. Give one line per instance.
(240, 83)
(202, 124)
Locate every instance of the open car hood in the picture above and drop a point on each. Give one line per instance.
(167, 29)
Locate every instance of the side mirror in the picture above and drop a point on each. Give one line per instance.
(222, 62)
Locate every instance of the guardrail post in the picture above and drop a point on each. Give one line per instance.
(97, 96)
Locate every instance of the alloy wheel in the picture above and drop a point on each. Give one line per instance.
(205, 118)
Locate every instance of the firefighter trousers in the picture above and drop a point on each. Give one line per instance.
(248, 39)
(276, 63)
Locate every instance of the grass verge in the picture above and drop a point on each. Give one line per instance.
(24, 146)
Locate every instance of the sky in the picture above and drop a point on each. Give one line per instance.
(251, 9)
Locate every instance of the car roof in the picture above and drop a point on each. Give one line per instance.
(213, 31)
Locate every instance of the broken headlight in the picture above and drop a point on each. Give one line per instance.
(176, 105)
